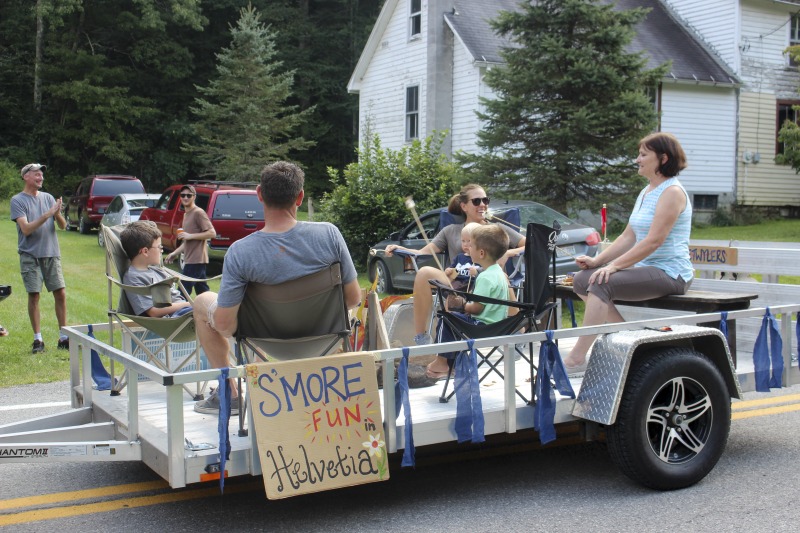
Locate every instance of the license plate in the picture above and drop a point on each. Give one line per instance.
(565, 251)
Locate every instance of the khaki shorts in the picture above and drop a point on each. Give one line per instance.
(34, 271)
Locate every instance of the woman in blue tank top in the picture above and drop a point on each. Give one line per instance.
(651, 257)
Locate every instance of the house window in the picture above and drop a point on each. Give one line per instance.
(412, 113)
(705, 202)
(794, 35)
(785, 112)
(415, 18)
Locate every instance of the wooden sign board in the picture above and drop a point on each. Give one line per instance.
(318, 423)
(713, 255)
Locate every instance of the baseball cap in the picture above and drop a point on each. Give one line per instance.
(188, 188)
(31, 166)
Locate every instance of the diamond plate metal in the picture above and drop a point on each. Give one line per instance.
(604, 380)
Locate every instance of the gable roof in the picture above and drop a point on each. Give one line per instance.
(659, 35)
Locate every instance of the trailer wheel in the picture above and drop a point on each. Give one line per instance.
(673, 420)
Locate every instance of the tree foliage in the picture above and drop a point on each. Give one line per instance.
(369, 203)
(242, 119)
(571, 104)
(789, 134)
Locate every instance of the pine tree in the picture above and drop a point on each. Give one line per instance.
(242, 119)
(571, 104)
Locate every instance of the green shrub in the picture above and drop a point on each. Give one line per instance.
(10, 182)
(369, 203)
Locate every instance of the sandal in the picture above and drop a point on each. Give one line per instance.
(434, 374)
(577, 370)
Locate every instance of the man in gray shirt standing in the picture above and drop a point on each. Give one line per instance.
(285, 249)
(36, 214)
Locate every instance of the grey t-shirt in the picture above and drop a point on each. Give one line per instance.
(141, 278)
(273, 258)
(43, 241)
(449, 238)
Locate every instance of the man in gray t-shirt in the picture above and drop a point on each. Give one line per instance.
(36, 214)
(283, 250)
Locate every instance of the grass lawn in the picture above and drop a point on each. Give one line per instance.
(84, 269)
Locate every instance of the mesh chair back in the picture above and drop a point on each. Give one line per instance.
(537, 289)
(119, 259)
(303, 317)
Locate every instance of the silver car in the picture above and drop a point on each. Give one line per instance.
(125, 208)
(397, 272)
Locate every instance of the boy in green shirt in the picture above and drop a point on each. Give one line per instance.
(489, 243)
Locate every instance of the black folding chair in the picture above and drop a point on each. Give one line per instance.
(536, 311)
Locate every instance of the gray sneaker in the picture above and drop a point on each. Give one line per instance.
(422, 338)
(210, 405)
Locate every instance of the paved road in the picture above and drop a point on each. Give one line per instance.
(567, 488)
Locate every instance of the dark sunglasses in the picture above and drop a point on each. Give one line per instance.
(477, 201)
(190, 195)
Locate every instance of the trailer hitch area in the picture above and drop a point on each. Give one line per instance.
(199, 446)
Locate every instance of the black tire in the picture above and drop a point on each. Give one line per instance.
(84, 227)
(101, 241)
(380, 270)
(671, 393)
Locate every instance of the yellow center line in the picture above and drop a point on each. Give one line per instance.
(100, 492)
(116, 505)
(763, 412)
(736, 406)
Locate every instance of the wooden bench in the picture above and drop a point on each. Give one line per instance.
(694, 301)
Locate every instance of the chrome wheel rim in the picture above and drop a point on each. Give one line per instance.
(679, 420)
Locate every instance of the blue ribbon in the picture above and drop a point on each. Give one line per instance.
(550, 366)
(571, 307)
(224, 393)
(99, 373)
(723, 325)
(469, 409)
(401, 398)
(765, 352)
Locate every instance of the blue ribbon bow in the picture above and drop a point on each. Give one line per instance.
(723, 325)
(550, 366)
(99, 373)
(765, 352)
(469, 409)
(224, 393)
(401, 399)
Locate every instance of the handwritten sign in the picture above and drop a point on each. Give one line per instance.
(318, 423)
(713, 255)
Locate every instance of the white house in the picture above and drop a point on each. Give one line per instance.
(751, 36)
(422, 70)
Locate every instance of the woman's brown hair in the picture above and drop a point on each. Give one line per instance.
(666, 144)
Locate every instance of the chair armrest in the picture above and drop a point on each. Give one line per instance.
(471, 297)
(159, 291)
(179, 276)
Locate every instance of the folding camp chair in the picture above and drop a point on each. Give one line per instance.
(536, 310)
(171, 330)
(301, 318)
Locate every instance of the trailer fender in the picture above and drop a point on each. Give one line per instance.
(604, 381)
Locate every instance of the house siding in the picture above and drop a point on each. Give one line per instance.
(704, 120)
(397, 63)
(466, 81)
(713, 21)
(764, 183)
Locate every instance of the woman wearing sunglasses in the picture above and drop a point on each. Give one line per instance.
(473, 204)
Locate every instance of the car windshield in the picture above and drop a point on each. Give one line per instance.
(141, 203)
(112, 187)
(238, 207)
(542, 214)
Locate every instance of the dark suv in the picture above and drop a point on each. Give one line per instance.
(233, 208)
(86, 207)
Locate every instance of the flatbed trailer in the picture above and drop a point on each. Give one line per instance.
(153, 420)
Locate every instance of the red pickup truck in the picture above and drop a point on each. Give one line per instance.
(234, 210)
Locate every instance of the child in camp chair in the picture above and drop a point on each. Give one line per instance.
(463, 270)
(141, 241)
(489, 243)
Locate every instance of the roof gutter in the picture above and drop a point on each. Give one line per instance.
(671, 77)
